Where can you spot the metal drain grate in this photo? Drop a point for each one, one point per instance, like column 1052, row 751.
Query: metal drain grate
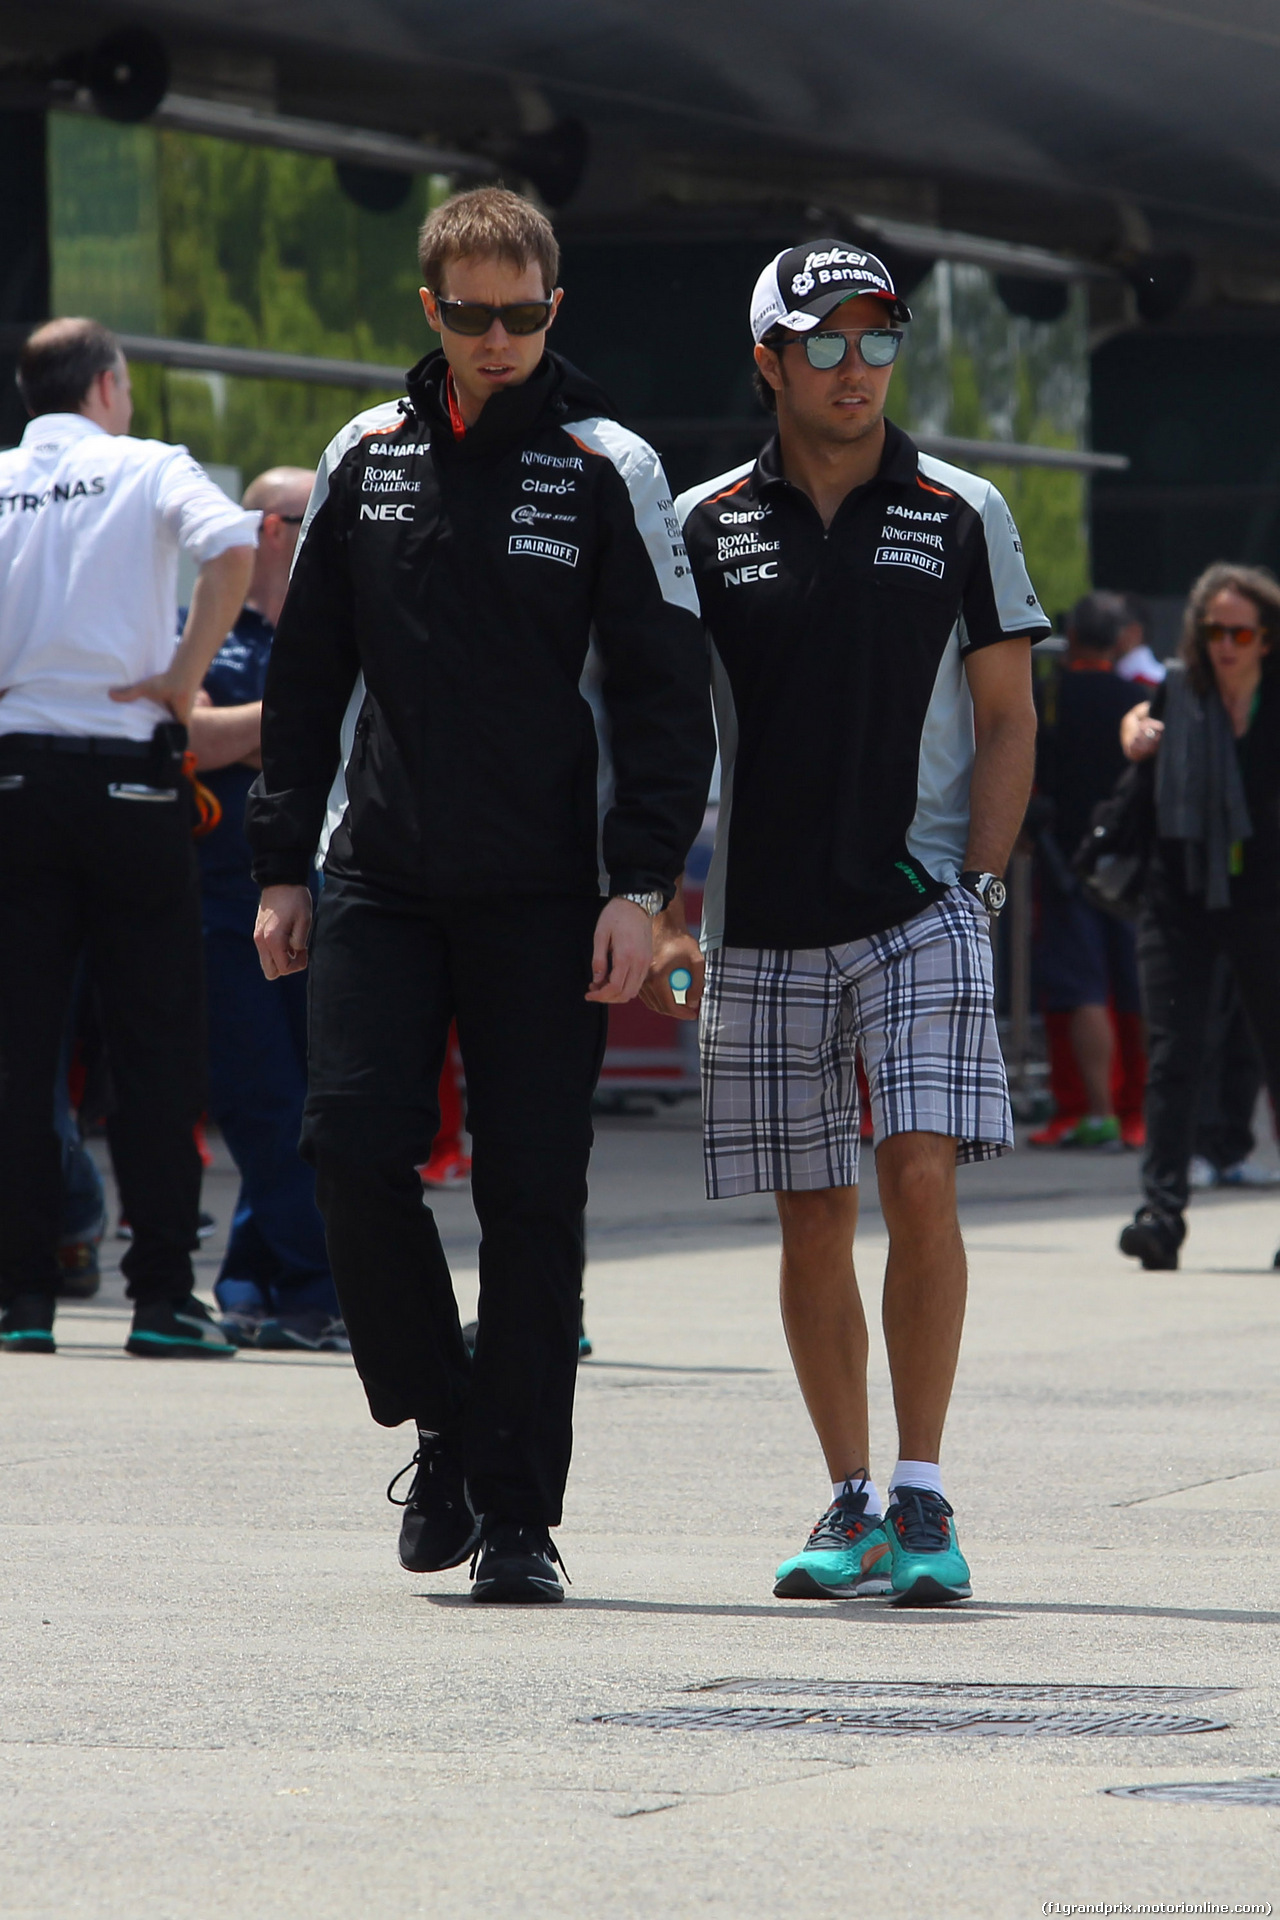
column 1261, row 1792
column 1061, row 1692
column 978, row 1720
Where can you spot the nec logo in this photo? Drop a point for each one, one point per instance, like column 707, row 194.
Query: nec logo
column 746, row 576
column 385, row 510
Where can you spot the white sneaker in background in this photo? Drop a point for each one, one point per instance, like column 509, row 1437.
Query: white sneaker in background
column 1246, row 1173
column 1202, row 1173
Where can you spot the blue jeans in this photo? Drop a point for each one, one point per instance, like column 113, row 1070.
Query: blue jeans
column 257, row 1085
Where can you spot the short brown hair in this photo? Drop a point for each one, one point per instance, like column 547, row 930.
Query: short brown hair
column 60, row 361
column 1258, row 584
column 492, row 221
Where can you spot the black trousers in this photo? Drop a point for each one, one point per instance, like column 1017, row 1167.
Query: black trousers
column 85, row 870
column 1232, row 1078
column 388, row 973
column 1178, row 944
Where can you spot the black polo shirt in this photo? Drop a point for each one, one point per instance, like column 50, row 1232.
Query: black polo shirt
column 846, row 727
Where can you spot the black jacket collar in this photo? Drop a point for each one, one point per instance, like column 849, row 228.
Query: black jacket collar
column 899, row 461
column 554, row 392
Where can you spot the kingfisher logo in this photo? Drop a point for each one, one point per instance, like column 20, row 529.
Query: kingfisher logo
column 535, row 547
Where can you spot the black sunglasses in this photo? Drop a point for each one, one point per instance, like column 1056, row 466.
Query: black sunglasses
column 472, row 317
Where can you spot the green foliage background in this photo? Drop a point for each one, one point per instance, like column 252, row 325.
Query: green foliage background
column 201, row 239
column 971, row 370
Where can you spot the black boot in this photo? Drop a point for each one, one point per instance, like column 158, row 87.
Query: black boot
column 1154, row 1238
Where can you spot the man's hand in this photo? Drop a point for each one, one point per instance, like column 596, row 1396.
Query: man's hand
column 674, row 946
column 622, row 953
column 171, row 689
column 284, row 922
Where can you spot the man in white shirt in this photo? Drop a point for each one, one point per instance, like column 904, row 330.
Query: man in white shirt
column 96, row 854
column 1134, row 659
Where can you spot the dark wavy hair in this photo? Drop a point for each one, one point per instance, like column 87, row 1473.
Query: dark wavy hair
column 1258, row 584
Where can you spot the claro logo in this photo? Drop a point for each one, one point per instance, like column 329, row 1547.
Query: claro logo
column 385, row 510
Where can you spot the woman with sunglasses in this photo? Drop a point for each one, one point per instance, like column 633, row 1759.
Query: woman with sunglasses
column 1213, row 884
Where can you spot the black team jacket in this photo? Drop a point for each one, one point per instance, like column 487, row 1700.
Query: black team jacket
column 423, row 692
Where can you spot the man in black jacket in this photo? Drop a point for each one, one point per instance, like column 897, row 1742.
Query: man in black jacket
column 422, row 712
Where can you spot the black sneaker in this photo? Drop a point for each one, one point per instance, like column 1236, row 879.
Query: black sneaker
column 26, row 1325
column 516, row 1561
column 314, row 1331
column 177, row 1330
column 1153, row 1238
column 439, row 1528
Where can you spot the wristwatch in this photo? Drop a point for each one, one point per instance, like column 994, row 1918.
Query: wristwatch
column 987, row 887
column 650, row 903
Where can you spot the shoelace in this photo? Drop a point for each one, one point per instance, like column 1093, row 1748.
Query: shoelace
column 424, row 1458
column 919, row 1518
column 545, row 1545
column 845, row 1519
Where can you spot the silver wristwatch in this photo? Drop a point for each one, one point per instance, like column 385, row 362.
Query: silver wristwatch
column 651, row 903
column 987, row 887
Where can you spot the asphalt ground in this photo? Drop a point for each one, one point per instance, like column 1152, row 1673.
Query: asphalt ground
column 221, row 1696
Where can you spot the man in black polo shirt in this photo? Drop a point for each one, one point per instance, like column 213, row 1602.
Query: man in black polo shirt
column 871, row 619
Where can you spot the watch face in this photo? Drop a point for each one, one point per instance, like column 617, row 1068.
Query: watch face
column 996, row 895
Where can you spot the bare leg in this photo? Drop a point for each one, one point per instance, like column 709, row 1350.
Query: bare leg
column 924, row 1286
column 1092, row 1041
column 825, row 1326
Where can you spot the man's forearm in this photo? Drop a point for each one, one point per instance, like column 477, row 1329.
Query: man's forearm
column 999, row 788
column 216, row 600
column 224, row 736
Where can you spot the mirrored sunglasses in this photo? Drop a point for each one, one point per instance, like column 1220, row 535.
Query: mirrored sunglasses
column 879, row 347
column 473, row 318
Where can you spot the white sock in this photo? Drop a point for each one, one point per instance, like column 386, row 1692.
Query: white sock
column 917, row 1473
column 874, row 1506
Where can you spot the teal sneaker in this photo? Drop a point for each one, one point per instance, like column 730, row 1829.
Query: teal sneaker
column 845, row 1557
column 927, row 1564
column 26, row 1325
column 177, row 1330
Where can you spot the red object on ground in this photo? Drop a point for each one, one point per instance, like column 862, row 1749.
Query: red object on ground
column 1065, row 1083
column 450, row 1163
column 1128, row 1079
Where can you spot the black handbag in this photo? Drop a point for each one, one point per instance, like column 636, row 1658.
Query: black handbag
column 1111, row 861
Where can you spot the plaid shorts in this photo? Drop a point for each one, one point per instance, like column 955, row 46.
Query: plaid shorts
column 781, row 1029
